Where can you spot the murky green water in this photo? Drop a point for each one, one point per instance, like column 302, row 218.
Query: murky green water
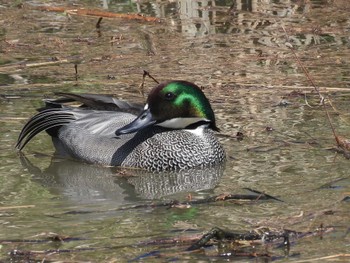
column 238, row 54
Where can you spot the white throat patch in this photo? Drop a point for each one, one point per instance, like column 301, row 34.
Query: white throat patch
column 197, row 131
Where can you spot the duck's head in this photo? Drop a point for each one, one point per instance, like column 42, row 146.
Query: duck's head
column 174, row 105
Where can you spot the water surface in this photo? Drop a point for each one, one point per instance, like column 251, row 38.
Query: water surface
column 238, row 54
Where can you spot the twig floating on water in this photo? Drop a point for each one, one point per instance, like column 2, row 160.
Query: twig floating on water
column 141, row 87
column 98, row 24
column 32, row 65
column 339, row 256
column 94, row 12
column 16, row 207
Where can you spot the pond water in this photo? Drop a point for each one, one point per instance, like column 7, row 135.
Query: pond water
column 238, row 51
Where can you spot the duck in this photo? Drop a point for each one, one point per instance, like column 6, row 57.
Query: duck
column 174, row 130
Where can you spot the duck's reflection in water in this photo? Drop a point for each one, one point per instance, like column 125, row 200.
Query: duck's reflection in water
column 87, row 184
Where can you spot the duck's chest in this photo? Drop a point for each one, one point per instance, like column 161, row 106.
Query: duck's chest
column 179, row 149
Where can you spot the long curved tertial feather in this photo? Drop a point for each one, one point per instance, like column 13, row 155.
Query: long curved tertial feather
column 99, row 102
column 42, row 121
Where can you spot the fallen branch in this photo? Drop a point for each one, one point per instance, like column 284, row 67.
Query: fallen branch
column 257, row 236
column 141, row 86
column 243, row 243
column 16, row 207
column 236, row 244
column 94, row 12
column 32, row 65
column 340, row 256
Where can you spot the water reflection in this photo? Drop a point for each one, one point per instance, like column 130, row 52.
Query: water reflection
column 201, row 18
column 85, row 184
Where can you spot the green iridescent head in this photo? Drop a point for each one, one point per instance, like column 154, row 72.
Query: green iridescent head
column 174, row 105
column 180, row 100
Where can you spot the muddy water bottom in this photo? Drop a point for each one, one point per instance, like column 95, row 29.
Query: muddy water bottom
column 256, row 87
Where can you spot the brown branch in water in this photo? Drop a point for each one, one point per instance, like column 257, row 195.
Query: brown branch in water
column 306, row 72
column 342, row 151
column 141, row 86
column 76, row 71
column 32, row 65
column 17, row 253
column 342, row 143
column 16, row 207
column 40, row 241
column 257, row 236
column 98, row 27
column 336, row 256
column 146, row 73
column 250, row 239
column 219, row 234
column 306, row 102
column 98, row 24
column 94, row 12
column 212, row 199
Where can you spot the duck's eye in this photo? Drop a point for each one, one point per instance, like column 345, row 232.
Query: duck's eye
column 169, row 96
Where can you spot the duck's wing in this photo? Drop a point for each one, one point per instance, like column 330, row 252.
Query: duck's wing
column 99, row 102
column 103, row 123
column 95, row 114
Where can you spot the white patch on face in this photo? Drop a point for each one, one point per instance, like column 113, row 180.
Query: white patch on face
column 146, row 107
column 198, row 131
column 180, row 123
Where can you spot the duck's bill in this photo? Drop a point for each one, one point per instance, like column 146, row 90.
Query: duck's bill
column 145, row 119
